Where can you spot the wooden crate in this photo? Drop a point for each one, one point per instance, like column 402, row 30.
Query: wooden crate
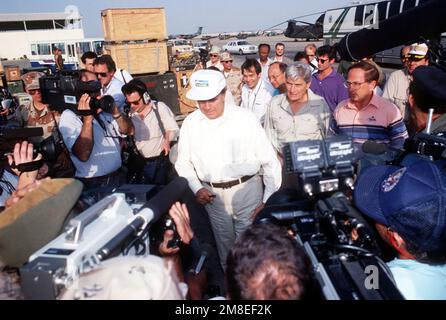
column 134, row 24
column 140, row 58
column 186, row 105
column 12, row 73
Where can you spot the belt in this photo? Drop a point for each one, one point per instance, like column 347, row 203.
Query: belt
column 99, row 179
column 229, row 184
column 154, row 158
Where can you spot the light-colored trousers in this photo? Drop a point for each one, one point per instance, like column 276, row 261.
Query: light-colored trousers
column 230, row 212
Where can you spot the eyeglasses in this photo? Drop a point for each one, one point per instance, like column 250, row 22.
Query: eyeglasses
column 135, row 103
column 214, row 55
column 33, row 91
column 102, row 74
column 353, row 85
column 228, row 61
column 322, row 60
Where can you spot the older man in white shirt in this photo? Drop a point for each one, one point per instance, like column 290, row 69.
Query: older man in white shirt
column 256, row 93
column 221, row 151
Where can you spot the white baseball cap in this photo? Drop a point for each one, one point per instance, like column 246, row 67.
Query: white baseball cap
column 419, row 50
column 206, row 85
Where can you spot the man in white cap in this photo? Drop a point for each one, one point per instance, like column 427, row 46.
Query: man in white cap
column 215, row 58
column 397, row 86
column 220, row 152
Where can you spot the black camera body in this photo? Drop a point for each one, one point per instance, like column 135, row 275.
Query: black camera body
column 64, row 90
column 340, row 243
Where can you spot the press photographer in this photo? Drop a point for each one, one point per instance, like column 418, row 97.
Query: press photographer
column 92, row 134
column 154, row 130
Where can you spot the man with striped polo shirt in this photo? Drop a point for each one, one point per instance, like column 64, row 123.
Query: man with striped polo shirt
column 366, row 116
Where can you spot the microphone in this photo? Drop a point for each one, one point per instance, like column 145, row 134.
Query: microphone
column 164, row 199
column 398, row 30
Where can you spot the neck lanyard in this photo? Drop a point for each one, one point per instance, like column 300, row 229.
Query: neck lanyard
column 251, row 106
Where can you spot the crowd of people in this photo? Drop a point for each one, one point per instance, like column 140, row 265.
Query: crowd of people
column 230, row 150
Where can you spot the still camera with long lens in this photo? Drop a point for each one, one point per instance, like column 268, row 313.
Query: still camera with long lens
column 64, row 90
column 340, row 243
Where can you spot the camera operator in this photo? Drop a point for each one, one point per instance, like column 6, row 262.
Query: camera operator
column 427, row 90
column 94, row 140
column 105, row 69
column 407, row 205
column 154, row 129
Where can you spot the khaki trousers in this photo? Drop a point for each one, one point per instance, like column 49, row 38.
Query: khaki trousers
column 230, row 212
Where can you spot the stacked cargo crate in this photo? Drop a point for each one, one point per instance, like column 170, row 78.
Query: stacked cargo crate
column 136, row 39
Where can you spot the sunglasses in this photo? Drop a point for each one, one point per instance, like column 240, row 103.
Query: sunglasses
column 102, row 74
column 322, row 60
column 214, row 55
column 33, row 91
column 228, row 61
column 135, row 103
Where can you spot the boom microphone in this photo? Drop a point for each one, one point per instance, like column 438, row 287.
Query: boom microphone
column 426, row 21
column 20, row 133
column 164, row 199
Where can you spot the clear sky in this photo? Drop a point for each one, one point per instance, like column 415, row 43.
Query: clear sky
column 184, row 16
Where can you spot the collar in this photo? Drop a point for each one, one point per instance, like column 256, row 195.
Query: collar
column 257, row 87
column 333, row 74
column 374, row 102
column 35, row 112
column 313, row 101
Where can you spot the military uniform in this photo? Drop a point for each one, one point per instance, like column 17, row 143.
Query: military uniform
column 234, row 81
column 28, row 116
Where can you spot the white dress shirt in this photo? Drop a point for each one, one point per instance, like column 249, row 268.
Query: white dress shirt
column 265, row 68
column 256, row 100
column 114, row 89
column 225, row 149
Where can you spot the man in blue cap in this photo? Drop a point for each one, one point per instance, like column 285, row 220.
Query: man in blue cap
column 408, row 205
column 426, row 91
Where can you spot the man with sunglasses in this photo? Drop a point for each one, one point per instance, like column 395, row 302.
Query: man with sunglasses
column 233, row 77
column 154, row 128
column 397, row 86
column 105, row 69
column 36, row 113
column 215, row 58
column 327, row 82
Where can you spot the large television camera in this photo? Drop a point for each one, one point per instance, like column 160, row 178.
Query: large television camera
column 64, row 90
column 341, row 245
column 117, row 225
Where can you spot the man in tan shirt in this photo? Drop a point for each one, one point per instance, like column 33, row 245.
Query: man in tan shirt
column 154, row 128
column 297, row 115
column 233, row 77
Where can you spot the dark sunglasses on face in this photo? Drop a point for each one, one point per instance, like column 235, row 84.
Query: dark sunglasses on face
column 102, row 74
column 135, row 103
column 214, row 55
column 322, row 60
column 229, row 61
column 33, row 91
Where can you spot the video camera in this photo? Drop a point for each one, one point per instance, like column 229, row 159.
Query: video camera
column 64, row 90
column 119, row 224
column 340, row 243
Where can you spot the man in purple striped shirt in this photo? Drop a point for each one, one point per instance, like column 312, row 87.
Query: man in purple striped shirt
column 365, row 115
column 327, row 82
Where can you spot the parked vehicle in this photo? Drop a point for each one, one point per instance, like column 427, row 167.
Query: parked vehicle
column 241, row 47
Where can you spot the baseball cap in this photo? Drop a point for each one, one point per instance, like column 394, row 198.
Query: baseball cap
column 127, row 278
column 431, row 82
column 206, row 85
column 31, row 80
column 225, row 56
column 410, row 199
column 418, row 50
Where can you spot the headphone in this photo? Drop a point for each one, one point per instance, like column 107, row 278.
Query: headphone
column 140, row 88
